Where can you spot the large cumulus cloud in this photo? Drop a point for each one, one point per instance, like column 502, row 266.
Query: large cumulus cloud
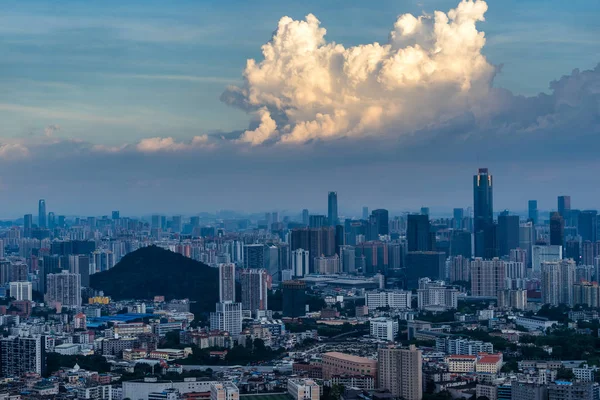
column 306, row 88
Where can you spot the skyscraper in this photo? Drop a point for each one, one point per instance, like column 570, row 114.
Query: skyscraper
column 294, row 298
column 305, row 217
column 381, row 218
column 27, row 225
column 332, row 209
column 588, row 225
column 558, row 278
column 418, row 233
column 533, row 211
column 226, row 283
column 300, row 263
column 557, row 230
column 507, row 233
column 400, row 371
column 42, row 221
column 483, row 208
column 564, row 206
column 458, row 214
column 365, row 213
column 227, row 317
column 255, row 283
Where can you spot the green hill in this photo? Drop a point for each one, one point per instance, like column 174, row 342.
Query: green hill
column 153, row 271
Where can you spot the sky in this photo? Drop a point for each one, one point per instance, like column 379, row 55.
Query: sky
column 152, row 106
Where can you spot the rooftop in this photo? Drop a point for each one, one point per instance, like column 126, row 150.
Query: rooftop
column 348, row 357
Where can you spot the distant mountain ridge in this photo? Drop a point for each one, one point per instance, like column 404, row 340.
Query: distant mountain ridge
column 153, row 271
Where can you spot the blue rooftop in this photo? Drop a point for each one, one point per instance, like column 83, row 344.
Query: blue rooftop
column 121, row 317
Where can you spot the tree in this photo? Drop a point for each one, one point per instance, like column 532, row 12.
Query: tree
column 564, row 374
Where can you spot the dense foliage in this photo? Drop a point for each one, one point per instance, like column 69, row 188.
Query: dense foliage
column 152, row 271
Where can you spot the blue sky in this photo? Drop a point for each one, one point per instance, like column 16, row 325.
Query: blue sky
column 102, row 70
column 116, row 72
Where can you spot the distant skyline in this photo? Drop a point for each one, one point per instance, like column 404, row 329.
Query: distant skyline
column 148, row 106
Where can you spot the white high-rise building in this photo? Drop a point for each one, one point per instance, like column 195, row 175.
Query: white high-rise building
column 435, row 295
column 327, row 265
column 64, row 288
column 384, row 328
column 400, row 371
column 227, row 317
column 348, row 259
column 396, row 299
column 300, row 262
column 226, row 283
column 21, row 291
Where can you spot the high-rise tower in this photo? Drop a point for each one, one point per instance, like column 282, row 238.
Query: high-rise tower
column 42, row 221
column 483, row 214
column 332, row 209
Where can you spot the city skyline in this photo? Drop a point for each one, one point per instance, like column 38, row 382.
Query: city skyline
column 83, row 134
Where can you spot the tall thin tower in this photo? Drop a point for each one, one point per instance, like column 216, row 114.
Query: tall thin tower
column 42, row 220
column 332, row 209
column 483, row 214
column 227, row 283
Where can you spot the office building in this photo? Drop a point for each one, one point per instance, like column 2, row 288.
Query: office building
column 294, row 298
column 42, row 219
column 227, row 317
column 332, row 209
column 317, row 241
column 588, row 225
column 227, row 283
column 424, row 264
column 435, row 296
column 255, row 283
column 224, row 391
column 335, row 363
column 64, row 289
column 487, row 277
column 557, row 230
column 27, row 225
column 305, row 217
column 460, row 243
column 400, row 371
column 317, row 221
column 384, row 328
column 21, row 355
column 533, row 213
column 254, row 256
column 381, row 218
column 394, row 299
column 300, row 263
column 507, row 234
column 365, row 213
column 21, row 291
column 458, row 214
column 483, row 208
column 418, row 233
column 564, row 206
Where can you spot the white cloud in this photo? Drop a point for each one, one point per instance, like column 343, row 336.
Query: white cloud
column 430, row 70
column 158, row 144
column 13, row 151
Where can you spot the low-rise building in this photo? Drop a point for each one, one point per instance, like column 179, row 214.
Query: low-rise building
column 303, row 389
column 461, row 363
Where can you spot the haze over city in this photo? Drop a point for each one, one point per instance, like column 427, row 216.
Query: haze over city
column 149, row 107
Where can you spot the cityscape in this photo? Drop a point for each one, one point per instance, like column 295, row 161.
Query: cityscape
column 316, row 200
column 482, row 305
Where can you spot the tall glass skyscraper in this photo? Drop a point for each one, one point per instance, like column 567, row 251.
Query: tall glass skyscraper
column 533, row 211
column 42, row 221
column 332, row 209
column 483, row 213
